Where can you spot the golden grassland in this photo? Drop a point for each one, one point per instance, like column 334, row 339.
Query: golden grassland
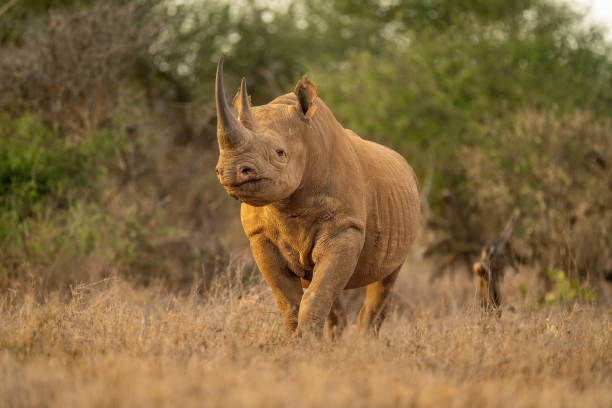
column 112, row 344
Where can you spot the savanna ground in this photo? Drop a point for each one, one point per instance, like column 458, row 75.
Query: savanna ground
column 111, row 344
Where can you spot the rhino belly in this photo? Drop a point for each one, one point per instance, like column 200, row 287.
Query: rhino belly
column 391, row 228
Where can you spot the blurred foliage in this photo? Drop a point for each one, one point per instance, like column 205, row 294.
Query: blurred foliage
column 565, row 290
column 40, row 172
column 51, row 188
column 109, row 123
column 434, row 87
column 556, row 170
column 23, row 16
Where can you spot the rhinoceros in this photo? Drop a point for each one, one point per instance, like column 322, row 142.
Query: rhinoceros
column 323, row 209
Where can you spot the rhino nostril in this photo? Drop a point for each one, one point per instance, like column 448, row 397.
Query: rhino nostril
column 246, row 171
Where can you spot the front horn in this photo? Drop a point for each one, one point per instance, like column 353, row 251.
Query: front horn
column 230, row 131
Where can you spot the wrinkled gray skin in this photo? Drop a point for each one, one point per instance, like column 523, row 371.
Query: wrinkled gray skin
column 323, row 209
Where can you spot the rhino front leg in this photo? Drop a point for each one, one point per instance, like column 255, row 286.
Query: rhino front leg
column 336, row 320
column 335, row 260
column 374, row 309
column 285, row 285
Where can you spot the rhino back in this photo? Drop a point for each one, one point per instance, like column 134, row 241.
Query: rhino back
column 393, row 207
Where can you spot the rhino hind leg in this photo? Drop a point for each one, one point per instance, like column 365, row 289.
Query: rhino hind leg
column 376, row 304
column 336, row 320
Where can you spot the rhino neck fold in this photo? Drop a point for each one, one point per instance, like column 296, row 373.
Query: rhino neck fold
column 326, row 139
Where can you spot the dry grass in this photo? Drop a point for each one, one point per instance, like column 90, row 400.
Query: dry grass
column 113, row 344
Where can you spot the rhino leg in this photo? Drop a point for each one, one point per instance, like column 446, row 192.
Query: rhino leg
column 376, row 304
column 335, row 260
column 336, row 320
column 285, row 285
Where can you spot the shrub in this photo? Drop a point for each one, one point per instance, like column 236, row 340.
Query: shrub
column 557, row 171
column 40, row 172
column 565, row 290
column 47, row 185
column 70, row 68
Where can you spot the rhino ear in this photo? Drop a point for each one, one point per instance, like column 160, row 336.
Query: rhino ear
column 306, row 94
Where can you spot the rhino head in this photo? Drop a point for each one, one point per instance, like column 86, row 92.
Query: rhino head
column 262, row 151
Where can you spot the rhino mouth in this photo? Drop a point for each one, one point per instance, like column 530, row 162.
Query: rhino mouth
column 249, row 188
column 250, row 192
column 244, row 183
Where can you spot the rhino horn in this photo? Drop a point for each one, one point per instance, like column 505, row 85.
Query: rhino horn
column 230, row 132
column 245, row 115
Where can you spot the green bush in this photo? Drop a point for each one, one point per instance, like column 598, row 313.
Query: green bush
column 565, row 290
column 40, row 172
column 49, row 192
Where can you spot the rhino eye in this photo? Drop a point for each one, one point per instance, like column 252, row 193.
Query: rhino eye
column 280, row 152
